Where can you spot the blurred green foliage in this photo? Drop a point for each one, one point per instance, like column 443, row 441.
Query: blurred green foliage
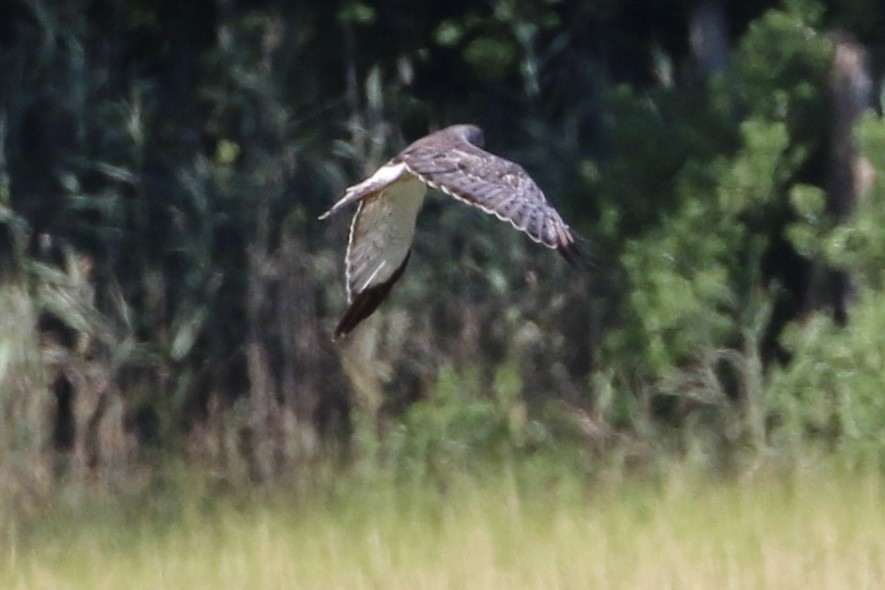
column 832, row 389
column 181, row 152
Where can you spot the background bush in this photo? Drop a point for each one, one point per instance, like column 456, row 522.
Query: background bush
column 166, row 288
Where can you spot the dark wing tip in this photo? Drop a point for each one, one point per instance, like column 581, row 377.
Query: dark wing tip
column 367, row 301
column 574, row 255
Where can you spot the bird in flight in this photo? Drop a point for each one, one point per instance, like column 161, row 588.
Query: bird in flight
column 452, row 161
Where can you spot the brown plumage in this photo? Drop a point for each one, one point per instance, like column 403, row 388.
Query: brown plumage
column 451, row 161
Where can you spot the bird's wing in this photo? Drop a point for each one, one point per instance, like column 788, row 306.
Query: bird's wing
column 499, row 187
column 379, row 245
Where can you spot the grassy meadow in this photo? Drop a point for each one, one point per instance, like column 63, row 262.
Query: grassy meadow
column 707, row 387
column 817, row 528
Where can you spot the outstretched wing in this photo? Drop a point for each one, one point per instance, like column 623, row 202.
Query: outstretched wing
column 378, row 249
column 448, row 162
column 451, row 161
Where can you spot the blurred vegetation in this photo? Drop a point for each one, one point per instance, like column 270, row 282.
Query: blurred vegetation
column 166, row 290
column 819, row 528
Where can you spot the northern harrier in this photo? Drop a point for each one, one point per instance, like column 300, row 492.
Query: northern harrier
column 452, row 161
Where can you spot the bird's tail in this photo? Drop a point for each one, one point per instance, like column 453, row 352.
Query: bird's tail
column 374, row 184
column 351, row 196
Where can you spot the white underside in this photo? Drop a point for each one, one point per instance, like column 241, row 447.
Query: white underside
column 387, row 173
column 383, row 229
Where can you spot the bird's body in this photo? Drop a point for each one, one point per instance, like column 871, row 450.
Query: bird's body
column 452, row 161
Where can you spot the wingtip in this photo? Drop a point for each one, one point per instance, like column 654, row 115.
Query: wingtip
column 575, row 256
column 367, row 301
column 343, row 328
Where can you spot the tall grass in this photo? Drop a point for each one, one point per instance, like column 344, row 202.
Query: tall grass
column 24, row 402
column 815, row 529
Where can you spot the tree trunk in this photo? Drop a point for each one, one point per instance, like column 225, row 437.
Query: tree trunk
column 708, row 36
column 850, row 174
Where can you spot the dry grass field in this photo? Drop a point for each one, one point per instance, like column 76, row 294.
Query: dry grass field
column 817, row 529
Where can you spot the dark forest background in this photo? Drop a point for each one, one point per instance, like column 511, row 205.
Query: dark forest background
column 166, row 289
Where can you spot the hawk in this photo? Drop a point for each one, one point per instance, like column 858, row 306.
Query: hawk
column 451, row 161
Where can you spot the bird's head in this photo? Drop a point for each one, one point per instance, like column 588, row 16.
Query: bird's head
column 470, row 133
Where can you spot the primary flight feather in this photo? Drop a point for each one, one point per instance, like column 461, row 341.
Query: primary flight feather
column 452, row 161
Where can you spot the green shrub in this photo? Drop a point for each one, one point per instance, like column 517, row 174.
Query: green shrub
column 833, row 391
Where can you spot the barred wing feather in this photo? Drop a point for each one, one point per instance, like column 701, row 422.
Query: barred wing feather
column 497, row 186
column 450, row 161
